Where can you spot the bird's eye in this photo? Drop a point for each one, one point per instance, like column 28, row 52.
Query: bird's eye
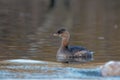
column 61, row 31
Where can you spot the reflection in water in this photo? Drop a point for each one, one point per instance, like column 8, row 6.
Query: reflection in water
column 24, row 35
column 26, row 29
column 43, row 46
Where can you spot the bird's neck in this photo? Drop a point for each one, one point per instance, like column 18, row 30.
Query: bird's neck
column 65, row 42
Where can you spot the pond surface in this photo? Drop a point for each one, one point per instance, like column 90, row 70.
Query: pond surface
column 34, row 55
column 28, row 47
column 42, row 45
column 34, row 69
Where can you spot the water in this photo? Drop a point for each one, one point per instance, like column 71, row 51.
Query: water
column 35, row 57
column 28, row 48
column 34, row 69
column 42, row 46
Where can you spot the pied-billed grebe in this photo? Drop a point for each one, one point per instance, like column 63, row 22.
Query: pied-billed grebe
column 68, row 53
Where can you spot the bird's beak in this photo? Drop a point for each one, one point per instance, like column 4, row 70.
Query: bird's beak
column 55, row 34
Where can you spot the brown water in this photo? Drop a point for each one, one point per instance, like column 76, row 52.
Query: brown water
column 26, row 33
column 43, row 46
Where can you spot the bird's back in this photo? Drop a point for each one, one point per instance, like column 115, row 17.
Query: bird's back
column 80, row 53
column 74, row 49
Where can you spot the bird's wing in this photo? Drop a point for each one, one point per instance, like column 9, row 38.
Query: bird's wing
column 76, row 48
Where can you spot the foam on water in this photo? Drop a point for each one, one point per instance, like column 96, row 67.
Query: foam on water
column 40, row 71
column 26, row 61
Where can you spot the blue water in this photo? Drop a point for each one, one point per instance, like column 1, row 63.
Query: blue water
column 72, row 73
column 45, row 70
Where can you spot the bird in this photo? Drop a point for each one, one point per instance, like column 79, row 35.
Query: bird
column 67, row 53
